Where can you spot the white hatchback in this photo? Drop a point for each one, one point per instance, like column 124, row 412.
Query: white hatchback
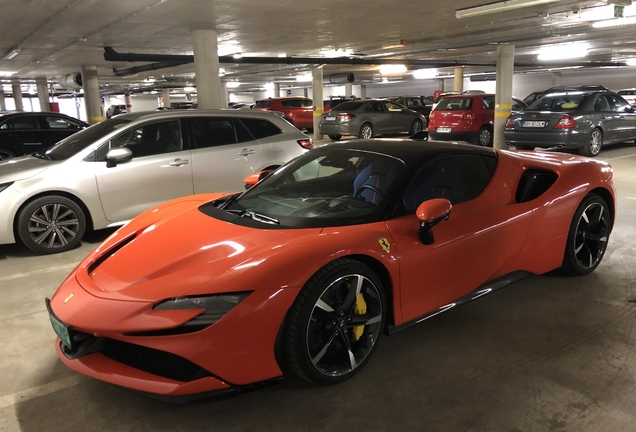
column 112, row 171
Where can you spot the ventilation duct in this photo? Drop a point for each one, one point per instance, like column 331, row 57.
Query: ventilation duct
column 72, row 81
column 481, row 78
column 350, row 77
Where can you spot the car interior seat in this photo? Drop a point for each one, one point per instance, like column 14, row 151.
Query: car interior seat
column 373, row 182
column 443, row 179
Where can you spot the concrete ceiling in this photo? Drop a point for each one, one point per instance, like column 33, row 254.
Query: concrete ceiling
column 55, row 37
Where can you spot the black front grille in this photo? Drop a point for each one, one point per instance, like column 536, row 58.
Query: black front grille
column 156, row 362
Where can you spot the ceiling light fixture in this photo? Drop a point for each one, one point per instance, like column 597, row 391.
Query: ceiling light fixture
column 5, row 73
column 630, row 62
column 304, row 78
column 424, row 73
column 270, row 86
column 616, row 22
column 331, row 53
column 12, row 53
column 189, row 89
column 392, row 69
column 233, row 84
column 561, row 52
column 501, row 6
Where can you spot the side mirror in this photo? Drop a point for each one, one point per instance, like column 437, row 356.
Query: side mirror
column 628, row 109
column 117, row 155
column 430, row 213
column 255, row 178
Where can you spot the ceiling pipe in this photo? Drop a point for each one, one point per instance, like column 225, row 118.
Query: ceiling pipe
column 145, row 68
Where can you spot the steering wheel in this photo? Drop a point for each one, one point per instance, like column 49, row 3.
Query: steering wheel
column 367, row 186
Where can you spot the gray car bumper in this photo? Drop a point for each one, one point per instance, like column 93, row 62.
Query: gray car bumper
column 554, row 138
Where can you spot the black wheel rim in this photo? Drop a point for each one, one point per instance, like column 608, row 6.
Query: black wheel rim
column 53, row 225
column 591, row 236
column 596, row 141
column 339, row 336
column 366, row 132
column 417, row 126
column 484, row 137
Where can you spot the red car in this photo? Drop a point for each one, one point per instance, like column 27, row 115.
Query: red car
column 299, row 111
column 304, row 272
column 466, row 117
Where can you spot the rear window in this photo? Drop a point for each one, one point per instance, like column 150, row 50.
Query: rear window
column 627, row 92
column 261, row 128
column 263, row 104
column 297, row 103
column 349, row 106
column 557, row 103
column 454, row 104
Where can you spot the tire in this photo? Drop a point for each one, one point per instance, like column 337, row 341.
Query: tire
column 593, row 146
column 523, row 147
column 484, row 137
column 366, row 131
column 587, row 237
column 51, row 224
column 320, row 351
column 416, row 127
column 335, row 137
column 5, row 154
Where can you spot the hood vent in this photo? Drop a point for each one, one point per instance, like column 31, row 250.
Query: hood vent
column 110, row 253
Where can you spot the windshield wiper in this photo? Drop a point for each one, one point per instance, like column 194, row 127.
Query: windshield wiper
column 255, row 216
column 229, row 200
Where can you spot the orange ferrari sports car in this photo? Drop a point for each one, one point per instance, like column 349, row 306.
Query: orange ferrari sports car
column 304, row 272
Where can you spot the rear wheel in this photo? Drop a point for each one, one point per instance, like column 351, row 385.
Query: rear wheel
column 484, row 137
column 366, row 131
column 5, row 154
column 335, row 137
column 51, row 224
column 334, row 325
column 416, row 126
column 588, row 236
column 594, row 144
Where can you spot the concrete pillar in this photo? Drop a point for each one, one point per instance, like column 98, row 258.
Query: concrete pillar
column 17, row 96
column 556, row 79
column 128, row 102
column 206, row 68
column 91, row 94
column 224, row 96
column 43, row 94
column 363, row 91
column 442, row 84
column 348, row 89
column 503, row 92
column 3, row 106
column 459, row 79
column 317, row 91
column 306, row 92
column 165, row 93
column 276, row 89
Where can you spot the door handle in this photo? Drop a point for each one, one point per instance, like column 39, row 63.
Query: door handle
column 179, row 162
column 246, row 152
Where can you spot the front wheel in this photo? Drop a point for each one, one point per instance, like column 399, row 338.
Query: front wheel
column 335, row 137
column 366, row 131
column 484, row 137
column 5, row 154
column 51, row 224
column 594, row 144
column 587, row 237
column 416, row 127
column 334, row 325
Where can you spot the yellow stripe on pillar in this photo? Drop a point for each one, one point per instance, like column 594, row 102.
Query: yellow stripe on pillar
column 502, row 114
column 503, row 106
column 95, row 119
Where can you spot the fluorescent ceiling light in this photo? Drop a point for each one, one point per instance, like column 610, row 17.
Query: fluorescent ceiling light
column 5, row 73
column 336, row 53
column 631, row 62
column 12, row 53
column 501, row 6
column 425, row 73
column 221, row 72
column 237, row 55
column 233, row 84
column 616, row 22
column 304, row 78
column 562, row 52
column 269, row 86
column 189, row 89
column 282, row 55
column 392, row 69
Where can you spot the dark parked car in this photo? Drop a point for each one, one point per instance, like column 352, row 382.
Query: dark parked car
column 366, row 118
column 25, row 132
column 114, row 110
column 579, row 120
column 534, row 96
column 184, row 105
column 415, row 103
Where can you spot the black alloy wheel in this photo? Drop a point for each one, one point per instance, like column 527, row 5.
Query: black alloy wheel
column 594, row 144
column 416, row 126
column 484, row 137
column 335, row 323
column 366, row 131
column 5, row 154
column 588, row 236
column 51, row 224
column 335, row 137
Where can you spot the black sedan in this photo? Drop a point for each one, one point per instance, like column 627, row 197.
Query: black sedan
column 26, row 132
column 416, row 103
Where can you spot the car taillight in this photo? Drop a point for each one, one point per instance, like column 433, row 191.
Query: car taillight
column 566, row 122
column 468, row 115
column 344, row 116
column 306, row 144
column 509, row 124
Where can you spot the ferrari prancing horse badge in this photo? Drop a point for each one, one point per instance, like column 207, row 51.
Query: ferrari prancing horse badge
column 385, row 244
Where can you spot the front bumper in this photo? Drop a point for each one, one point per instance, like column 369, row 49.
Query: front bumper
column 570, row 138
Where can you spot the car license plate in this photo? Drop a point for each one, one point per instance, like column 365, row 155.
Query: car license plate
column 443, row 129
column 533, row 124
column 60, row 329
column 331, row 118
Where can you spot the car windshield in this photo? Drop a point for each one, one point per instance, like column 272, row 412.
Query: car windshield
column 557, row 102
column 323, row 188
column 79, row 141
column 454, row 103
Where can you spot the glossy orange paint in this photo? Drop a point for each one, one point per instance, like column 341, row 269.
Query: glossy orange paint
column 483, row 238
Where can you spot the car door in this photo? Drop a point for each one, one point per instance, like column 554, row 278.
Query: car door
column 224, row 153
column 58, row 127
column 400, row 120
column 22, row 134
column 380, row 118
column 160, row 170
column 469, row 247
column 606, row 116
column 627, row 117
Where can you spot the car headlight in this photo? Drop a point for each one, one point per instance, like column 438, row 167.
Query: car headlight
column 4, row 186
column 214, row 307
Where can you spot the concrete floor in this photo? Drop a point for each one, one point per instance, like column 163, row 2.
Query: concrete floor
column 549, row 353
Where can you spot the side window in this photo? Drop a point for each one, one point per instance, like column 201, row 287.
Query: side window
column 517, row 105
column 619, row 103
column 261, row 128
column 23, row 123
column 6, row 125
column 242, row 134
column 306, row 103
column 393, row 107
column 601, row 104
column 489, row 102
column 377, row 106
column 147, row 140
column 61, row 123
column 369, row 108
column 458, row 178
column 213, row 131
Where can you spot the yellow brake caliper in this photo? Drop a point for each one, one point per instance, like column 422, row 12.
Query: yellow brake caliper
column 360, row 308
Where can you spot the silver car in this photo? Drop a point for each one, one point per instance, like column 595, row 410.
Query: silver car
column 369, row 117
column 580, row 120
column 111, row 172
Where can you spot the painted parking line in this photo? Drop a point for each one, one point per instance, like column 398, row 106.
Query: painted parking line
column 42, row 390
column 619, row 157
column 35, row 272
